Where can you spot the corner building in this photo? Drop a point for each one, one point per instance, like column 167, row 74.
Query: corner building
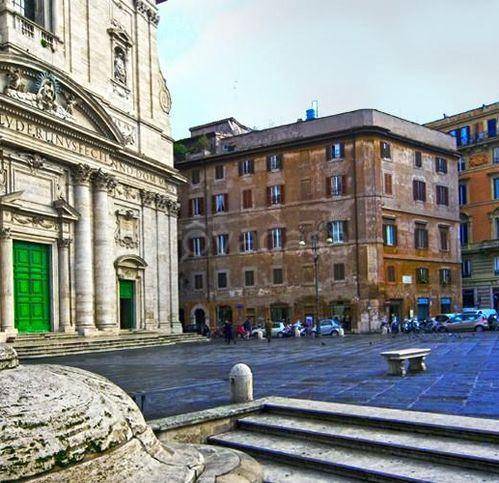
column 88, row 205
column 377, row 194
column 476, row 133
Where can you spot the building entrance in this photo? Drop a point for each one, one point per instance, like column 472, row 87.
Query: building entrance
column 32, row 287
column 127, row 304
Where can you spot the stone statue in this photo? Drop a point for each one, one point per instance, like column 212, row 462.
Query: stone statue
column 120, row 66
column 14, row 80
column 46, row 95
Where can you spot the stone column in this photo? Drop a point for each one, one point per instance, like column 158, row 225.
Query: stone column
column 173, row 210
column 84, row 262
column 105, row 272
column 7, row 284
column 65, row 324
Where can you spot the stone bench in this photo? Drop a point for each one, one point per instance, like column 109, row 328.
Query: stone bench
column 396, row 360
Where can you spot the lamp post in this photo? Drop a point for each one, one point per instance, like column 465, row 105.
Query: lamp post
column 314, row 245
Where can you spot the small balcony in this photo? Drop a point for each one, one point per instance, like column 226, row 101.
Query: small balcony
column 32, row 31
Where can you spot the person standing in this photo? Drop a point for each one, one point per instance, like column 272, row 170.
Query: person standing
column 268, row 330
column 228, row 331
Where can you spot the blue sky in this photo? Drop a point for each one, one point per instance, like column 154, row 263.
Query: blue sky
column 264, row 61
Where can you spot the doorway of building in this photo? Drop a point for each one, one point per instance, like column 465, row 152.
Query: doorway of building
column 279, row 313
column 423, row 308
column 32, row 287
column 127, row 304
column 224, row 313
column 200, row 318
column 395, row 309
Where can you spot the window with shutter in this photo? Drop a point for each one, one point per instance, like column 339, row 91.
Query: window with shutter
column 419, row 190
column 442, row 195
column 440, row 165
column 388, row 184
column 305, row 189
column 249, row 278
column 418, row 159
column 337, row 231
column 277, row 276
column 385, row 150
column 222, row 280
column 339, row 271
column 195, row 176
column 246, row 166
column 198, row 281
column 336, row 151
column 420, row 236
column 389, row 233
column 247, row 199
column 444, row 238
column 336, row 185
column 219, row 172
column 422, row 275
column 274, row 162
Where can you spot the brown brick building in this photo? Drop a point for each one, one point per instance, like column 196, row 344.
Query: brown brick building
column 377, row 193
column 478, row 142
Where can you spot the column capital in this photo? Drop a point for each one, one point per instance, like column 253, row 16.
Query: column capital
column 82, row 174
column 162, row 201
column 104, row 181
column 173, row 208
column 64, row 242
column 147, row 197
column 5, row 233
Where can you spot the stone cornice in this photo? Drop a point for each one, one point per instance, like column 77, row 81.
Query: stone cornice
column 147, row 11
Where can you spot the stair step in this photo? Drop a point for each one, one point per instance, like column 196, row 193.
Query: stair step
column 349, row 462
column 476, row 429
column 279, row 473
column 470, row 454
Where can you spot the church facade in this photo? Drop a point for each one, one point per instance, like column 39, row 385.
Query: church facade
column 88, row 192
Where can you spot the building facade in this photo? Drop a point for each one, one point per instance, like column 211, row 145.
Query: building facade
column 88, row 204
column 370, row 197
column 478, row 143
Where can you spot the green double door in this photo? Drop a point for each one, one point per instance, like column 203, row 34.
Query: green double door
column 32, row 287
column 127, row 304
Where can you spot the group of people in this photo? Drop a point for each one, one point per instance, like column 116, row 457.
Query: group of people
column 243, row 331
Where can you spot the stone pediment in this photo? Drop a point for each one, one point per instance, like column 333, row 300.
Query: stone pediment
column 65, row 210
column 32, row 85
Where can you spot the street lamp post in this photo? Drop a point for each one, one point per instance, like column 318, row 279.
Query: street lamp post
column 314, row 239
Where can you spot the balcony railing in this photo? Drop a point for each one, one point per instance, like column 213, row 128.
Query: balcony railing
column 477, row 138
column 34, row 32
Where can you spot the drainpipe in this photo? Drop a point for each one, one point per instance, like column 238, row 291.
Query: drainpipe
column 209, row 248
column 356, row 217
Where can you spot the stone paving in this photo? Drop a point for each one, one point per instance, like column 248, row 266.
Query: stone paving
column 462, row 376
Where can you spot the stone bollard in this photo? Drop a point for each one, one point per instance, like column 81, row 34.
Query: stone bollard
column 241, row 384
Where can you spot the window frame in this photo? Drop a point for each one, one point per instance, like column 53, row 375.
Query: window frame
column 274, row 270
column 246, row 273
column 422, row 275
column 226, row 274
column 219, row 167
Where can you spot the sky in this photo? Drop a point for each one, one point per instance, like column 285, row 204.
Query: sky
column 265, row 61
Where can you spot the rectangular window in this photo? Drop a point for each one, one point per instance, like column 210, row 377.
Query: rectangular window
column 388, row 184
column 422, row 275
column 249, row 278
column 195, row 176
column 220, row 203
column 275, row 195
column 196, row 206
column 197, row 246
column 418, row 159
column 277, row 276
column 274, row 162
column 198, row 281
column 247, row 199
column 337, row 185
column 496, row 266
column 308, row 274
column 463, row 194
column 338, row 231
column 464, row 137
column 39, row 12
column 222, row 244
column 492, row 128
column 246, row 166
column 389, row 233
column 441, row 165
column 442, row 195
column 419, row 190
column 444, row 238
column 420, row 236
column 464, row 233
column 466, row 268
column 496, row 188
column 222, row 280
column 445, row 276
column 339, row 271
column 461, row 165
column 385, row 150
column 390, row 274
column 335, row 151
column 248, row 241
column 306, row 189
column 496, row 223
column 276, row 238
column 495, row 156
column 220, row 171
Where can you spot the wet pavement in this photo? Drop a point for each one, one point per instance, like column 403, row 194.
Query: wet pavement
column 462, row 376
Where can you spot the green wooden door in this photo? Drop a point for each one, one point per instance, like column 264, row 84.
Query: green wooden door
column 127, row 304
column 32, row 287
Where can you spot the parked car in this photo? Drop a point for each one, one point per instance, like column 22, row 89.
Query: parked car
column 256, row 330
column 278, row 329
column 465, row 321
column 487, row 313
column 444, row 318
column 330, row 327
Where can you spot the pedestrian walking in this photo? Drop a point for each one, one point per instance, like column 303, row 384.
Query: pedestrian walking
column 228, row 331
column 268, row 330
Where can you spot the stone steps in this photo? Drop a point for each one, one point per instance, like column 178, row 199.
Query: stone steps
column 332, row 442
column 38, row 347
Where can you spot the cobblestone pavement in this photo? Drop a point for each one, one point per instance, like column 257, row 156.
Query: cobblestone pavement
column 462, row 376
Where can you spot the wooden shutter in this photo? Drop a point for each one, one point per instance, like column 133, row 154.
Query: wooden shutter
column 240, row 168
column 269, row 239
column 414, row 189
column 268, row 163
column 329, row 154
column 345, row 231
column 251, row 166
column 423, row 190
column 203, row 245
column 283, row 237
column 283, row 194
column 226, row 201
column 241, row 242
column 227, row 245
column 269, row 196
column 191, row 246
column 191, row 201
column 201, row 206
column 279, row 161
column 328, row 186
column 214, row 245
column 255, row 240
column 213, row 204
column 343, row 185
column 342, row 150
